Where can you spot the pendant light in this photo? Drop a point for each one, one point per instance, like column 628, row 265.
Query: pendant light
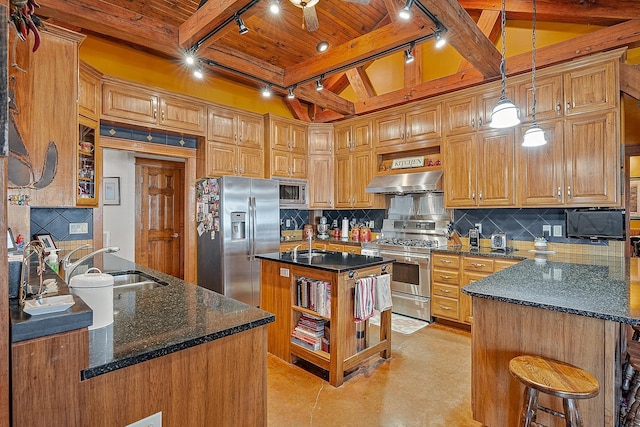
column 505, row 113
column 534, row 136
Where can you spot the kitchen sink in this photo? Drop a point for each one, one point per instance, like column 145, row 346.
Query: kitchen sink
column 132, row 281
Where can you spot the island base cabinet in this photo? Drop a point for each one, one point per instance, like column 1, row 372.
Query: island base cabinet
column 501, row 331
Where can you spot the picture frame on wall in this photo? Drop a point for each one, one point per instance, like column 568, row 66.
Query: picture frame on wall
column 634, row 198
column 111, row 193
column 47, row 242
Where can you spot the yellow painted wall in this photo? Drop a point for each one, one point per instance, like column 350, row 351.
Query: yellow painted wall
column 124, row 62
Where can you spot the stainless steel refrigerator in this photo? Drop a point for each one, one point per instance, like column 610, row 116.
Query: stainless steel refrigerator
column 237, row 218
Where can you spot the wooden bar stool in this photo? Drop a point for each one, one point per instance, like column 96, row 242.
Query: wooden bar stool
column 557, row 379
column 631, row 415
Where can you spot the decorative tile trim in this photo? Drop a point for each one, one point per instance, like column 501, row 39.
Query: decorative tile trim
column 154, row 137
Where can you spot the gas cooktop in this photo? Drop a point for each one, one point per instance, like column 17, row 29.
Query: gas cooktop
column 420, row 243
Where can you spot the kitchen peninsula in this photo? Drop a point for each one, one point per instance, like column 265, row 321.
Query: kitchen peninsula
column 573, row 310
column 180, row 349
column 280, row 274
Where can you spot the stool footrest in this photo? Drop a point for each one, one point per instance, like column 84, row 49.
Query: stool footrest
column 550, row 411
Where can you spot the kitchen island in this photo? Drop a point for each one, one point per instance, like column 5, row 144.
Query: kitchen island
column 573, row 311
column 194, row 355
column 281, row 275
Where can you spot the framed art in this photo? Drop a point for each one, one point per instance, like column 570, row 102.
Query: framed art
column 111, row 190
column 634, row 190
column 47, row 242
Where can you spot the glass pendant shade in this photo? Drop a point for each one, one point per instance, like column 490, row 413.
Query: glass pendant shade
column 504, row 115
column 534, row 137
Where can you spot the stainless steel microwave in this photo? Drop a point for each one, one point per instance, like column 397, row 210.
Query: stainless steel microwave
column 293, row 193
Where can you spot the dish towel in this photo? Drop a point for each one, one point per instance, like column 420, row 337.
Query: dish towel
column 383, row 292
column 364, row 299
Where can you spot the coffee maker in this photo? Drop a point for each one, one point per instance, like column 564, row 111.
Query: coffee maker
column 322, row 228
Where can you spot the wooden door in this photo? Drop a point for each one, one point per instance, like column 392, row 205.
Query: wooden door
column 342, row 134
column 299, row 139
column 540, row 170
column 466, row 307
column 321, row 182
column 361, row 133
column 251, row 130
column 361, row 176
column 182, row 115
column 460, row 115
column 592, row 155
column 548, row 99
column 222, row 159
column 495, row 168
column 129, row 103
column 591, row 89
column 343, row 170
column 487, row 100
column 424, row 124
column 250, row 162
column 298, row 166
column 280, row 163
column 389, row 129
column 460, row 171
column 159, row 215
column 221, row 125
column 321, row 139
column 279, row 131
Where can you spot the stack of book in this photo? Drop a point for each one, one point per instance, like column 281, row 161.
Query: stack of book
column 309, row 332
column 314, row 295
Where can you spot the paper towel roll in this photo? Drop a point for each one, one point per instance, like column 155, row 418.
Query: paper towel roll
column 345, row 228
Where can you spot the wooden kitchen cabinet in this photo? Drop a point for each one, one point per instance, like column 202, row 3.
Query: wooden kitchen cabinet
column 592, row 88
column 89, row 163
column 470, row 111
column 135, row 104
column 235, row 127
column 352, row 174
column 287, row 146
column 89, row 92
column 473, row 268
column 549, row 98
column 353, row 135
column 408, row 128
column 46, row 117
column 321, row 172
column 480, row 167
column 227, row 159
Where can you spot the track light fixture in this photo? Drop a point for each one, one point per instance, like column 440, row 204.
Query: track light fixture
column 242, row 29
column 405, row 12
column 291, row 95
column 190, row 58
column 440, row 40
column 198, row 73
column 319, row 85
column 274, row 7
column 266, row 91
column 408, row 57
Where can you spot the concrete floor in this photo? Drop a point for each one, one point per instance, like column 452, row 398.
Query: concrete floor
column 426, row 383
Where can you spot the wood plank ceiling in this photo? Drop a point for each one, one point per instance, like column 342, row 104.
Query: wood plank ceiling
column 277, row 50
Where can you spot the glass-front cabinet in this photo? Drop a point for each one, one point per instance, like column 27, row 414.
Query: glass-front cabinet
column 88, row 163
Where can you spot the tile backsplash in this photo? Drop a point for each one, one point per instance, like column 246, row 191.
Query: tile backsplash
column 55, row 221
column 298, row 218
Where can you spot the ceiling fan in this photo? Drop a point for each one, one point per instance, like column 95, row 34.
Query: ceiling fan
column 309, row 16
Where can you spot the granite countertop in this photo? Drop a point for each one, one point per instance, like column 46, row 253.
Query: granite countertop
column 594, row 286
column 156, row 322
column 331, row 240
column 331, row 261
column 484, row 251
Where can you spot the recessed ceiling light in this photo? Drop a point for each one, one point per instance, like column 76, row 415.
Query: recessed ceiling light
column 322, row 46
column 274, row 7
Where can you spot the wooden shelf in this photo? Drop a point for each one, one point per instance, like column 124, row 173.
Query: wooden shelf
column 412, row 170
column 86, row 153
column 318, row 357
column 309, row 312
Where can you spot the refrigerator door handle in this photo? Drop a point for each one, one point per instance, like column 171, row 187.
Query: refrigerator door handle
column 249, row 228
column 252, row 227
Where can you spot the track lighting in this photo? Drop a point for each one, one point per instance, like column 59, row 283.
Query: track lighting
column 291, row 95
column 440, row 41
column 266, row 91
column 322, row 46
column 274, row 7
column 190, row 58
column 408, row 57
column 242, row 29
column 198, row 73
column 405, row 12
column 319, row 86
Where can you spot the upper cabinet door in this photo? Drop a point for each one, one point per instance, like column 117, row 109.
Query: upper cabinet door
column 222, row 126
column 182, row 115
column 130, row 104
column 591, row 89
column 548, row 99
column 495, row 168
column 250, row 131
column 389, row 129
column 280, row 139
column 424, row 124
column 460, row 171
column 460, row 115
column 299, row 139
column 321, row 139
column 361, row 133
column 487, row 100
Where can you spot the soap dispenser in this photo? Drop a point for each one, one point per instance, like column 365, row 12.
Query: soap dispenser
column 52, row 260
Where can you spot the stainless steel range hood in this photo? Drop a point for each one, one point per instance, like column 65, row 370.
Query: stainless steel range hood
column 417, row 182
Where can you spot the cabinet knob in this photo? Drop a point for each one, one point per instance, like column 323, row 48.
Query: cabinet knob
column 559, row 194
column 442, row 276
column 235, row 137
column 480, row 121
column 480, row 196
column 569, row 191
column 568, row 107
column 476, row 264
column 155, row 114
column 444, row 307
column 240, row 138
column 163, row 115
column 473, row 196
column 558, row 107
column 473, row 123
column 175, row 235
column 446, row 291
column 445, row 261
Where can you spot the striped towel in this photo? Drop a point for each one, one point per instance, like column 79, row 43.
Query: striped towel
column 364, row 299
column 383, row 293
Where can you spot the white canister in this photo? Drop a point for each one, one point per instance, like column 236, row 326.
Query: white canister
column 96, row 290
column 345, row 228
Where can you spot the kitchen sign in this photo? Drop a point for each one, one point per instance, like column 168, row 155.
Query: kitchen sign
column 408, row 162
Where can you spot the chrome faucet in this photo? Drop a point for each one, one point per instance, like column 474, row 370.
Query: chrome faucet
column 310, row 238
column 294, row 253
column 69, row 266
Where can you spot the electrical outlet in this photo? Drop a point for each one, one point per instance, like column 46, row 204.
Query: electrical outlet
column 557, row 231
column 546, row 228
column 154, row 420
column 78, row 228
column 287, row 222
column 284, row 272
column 372, row 224
column 479, row 227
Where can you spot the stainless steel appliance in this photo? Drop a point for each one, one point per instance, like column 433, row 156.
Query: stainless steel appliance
column 499, row 241
column 293, row 193
column 408, row 242
column 237, row 218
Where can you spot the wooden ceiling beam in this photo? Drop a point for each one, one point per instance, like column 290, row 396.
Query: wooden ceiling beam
column 620, row 35
column 360, row 83
column 325, row 99
column 375, row 42
column 490, row 25
column 413, row 70
column 114, row 21
column 325, row 116
column 297, row 110
column 206, row 19
column 465, row 37
column 244, row 63
column 630, row 80
column 594, row 12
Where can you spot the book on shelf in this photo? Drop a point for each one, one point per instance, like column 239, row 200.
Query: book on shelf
column 314, row 295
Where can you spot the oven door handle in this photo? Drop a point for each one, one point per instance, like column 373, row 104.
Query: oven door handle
column 404, row 259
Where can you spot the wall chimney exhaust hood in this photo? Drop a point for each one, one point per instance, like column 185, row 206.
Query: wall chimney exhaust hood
column 417, row 182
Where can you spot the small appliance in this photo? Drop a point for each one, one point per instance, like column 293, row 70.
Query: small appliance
column 322, row 228
column 499, row 241
column 293, row 193
column 474, row 238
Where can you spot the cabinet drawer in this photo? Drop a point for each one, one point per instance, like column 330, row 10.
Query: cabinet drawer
column 335, row 248
column 445, row 260
column 451, row 291
column 470, row 277
column 445, row 307
column 445, row 276
column 478, row 264
column 501, row 264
